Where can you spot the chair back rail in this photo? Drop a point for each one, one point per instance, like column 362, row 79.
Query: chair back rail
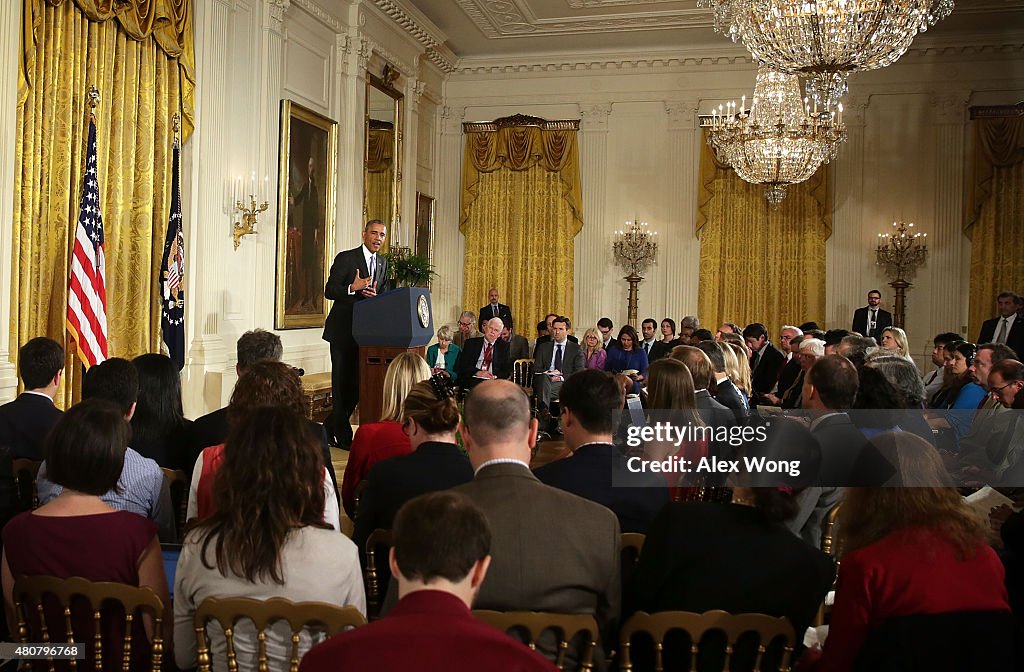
column 227, row 611
column 532, row 623
column 31, row 590
column 26, row 473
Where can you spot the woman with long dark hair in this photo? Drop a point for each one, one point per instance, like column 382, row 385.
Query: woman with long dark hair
column 959, row 395
column 266, row 538
column 159, row 428
column 628, row 357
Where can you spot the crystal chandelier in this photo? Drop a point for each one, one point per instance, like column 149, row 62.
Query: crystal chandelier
column 779, row 141
column 825, row 40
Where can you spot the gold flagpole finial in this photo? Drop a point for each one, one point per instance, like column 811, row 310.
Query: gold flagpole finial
column 92, row 99
column 176, row 128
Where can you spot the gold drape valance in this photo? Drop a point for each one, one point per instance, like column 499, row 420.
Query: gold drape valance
column 518, row 149
column 380, row 148
column 168, row 22
column 999, row 143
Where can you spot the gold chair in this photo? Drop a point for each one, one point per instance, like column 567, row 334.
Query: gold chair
column 28, row 596
column 532, row 623
column 768, row 628
column 178, row 484
column 377, row 538
column 828, row 529
column 26, row 472
column 227, row 611
column 521, row 369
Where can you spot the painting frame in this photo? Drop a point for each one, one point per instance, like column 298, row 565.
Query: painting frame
column 423, row 235
column 307, row 139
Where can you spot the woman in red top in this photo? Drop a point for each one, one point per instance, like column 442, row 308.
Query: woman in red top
column 376, row 441
column 911, row 550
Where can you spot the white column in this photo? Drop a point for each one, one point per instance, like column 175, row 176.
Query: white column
column 449, row 244
column 353, row 54
column 680, row 249
column 847, row 258
column 10, row 28
column 948, row 249
column 206, row 224
column 593, row 244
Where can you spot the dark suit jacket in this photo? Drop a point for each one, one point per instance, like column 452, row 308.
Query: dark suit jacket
column 212, row 429
column 659, row 349
column 518, row 347
column 841, row 443
column 1015, row 339
column 24, row 424
column 768, row 368
column 390, row 483
column 465, row 365
column 598, row 472
column 504, row 312
column 729, row 396
column 860, row 322
column 700, row 556
column 338, row 328
column 547, row 339
column 572, row 358
column 790, row 372
column 552, row 551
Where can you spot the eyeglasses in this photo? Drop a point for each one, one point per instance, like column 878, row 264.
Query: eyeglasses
column 1003, row 387
column 466, row 324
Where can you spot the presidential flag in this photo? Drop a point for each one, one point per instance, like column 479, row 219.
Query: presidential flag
column 172, row 274
column 87, row 291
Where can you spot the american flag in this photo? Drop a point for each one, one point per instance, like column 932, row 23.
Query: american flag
column 172, row 274
column 87, row 291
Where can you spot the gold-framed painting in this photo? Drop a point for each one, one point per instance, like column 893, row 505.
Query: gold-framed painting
column 424, row 236
column 307, row 180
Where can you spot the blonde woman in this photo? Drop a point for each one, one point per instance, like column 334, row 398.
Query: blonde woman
column 894, row 340
column 376, row 441
column 442, row 355
column 740, row 375
column 594, row 354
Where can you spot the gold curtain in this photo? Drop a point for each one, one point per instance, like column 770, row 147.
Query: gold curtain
column 521, row 210
column 67, row 47
column 759, row 264
column 994, row 212
column 380, row 176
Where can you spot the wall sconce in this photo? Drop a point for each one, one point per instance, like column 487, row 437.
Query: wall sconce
column 257, row 197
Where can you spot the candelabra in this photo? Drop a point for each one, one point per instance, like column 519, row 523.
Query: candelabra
column 250, row 213
column 901, row 252
column 635, row 250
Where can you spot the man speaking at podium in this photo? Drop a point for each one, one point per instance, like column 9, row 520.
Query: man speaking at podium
column 356, row 274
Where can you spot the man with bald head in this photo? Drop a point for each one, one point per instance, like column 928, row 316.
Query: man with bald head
column 484, row 357
column 553, row 551
column 495, row 309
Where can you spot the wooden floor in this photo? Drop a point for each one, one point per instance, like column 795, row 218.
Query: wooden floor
column 548, row 450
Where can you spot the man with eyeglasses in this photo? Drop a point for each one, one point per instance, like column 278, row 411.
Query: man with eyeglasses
column 465, row 330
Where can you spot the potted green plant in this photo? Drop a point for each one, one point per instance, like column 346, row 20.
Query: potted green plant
column 409, row 270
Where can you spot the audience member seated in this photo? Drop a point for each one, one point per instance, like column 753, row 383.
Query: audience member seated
column 377, row 441
column 211, row 429
column 737, row 367
column 518, row 346
column 711, row 411
column 484, row 358
column 596, row 470
column 266, row 538
column 688, row 328
column 554, row 362
column 959, row 394
column 1001, row 461
column 25, row 422
column 159, row 428
column 766, row 361
column 441, row 557
column 856, row 348
column 911, row 551
column 441, row 356
column 894, row 340
column 628, row 358
column 992, row 419
column 141, row 488
column 726, row 392
column 933, row 381
column 605, row 326
column 671, row 398
column 883, row 399
column 833, row 339
column 263, row 384
column 699, row 336
column 727, row 328
column 668, row 333
column 902, row 373
column 553, row 551
column 466, row 330
column 791, row 369
column 739, row 557
column 650, row 343
column 78, row 533
column 809, row 350
column 430, row 417
column 594, row 354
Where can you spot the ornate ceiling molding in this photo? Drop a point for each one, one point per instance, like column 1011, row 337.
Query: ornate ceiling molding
column 499, row 19
column 319, row 14
column 590, row 4
column 519, row 120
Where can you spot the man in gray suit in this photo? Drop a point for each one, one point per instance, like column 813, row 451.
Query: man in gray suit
column 554, row 361
column 553, row 551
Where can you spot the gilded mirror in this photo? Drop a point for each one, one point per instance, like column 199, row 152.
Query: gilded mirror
column 382, row 170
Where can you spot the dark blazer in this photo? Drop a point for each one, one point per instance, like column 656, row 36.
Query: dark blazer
column 212, row 430
column 552, row 551
column 712, row 411
column 572, row 358
column 729, row 396
column 659, row 349
column 860, row 322
column 338, row 327
column 769, row 366
column 1015, row 339
column 173, row 450
column 465, row 365
column 518, row 347
column 790, row 372
column 700, row 556
column 841, row 443
column 390, row 483
column 598, row 472
column 547, row 339
column 24, row 424
column 504, row 312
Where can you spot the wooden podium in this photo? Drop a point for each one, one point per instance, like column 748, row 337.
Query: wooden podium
column 384, row 327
